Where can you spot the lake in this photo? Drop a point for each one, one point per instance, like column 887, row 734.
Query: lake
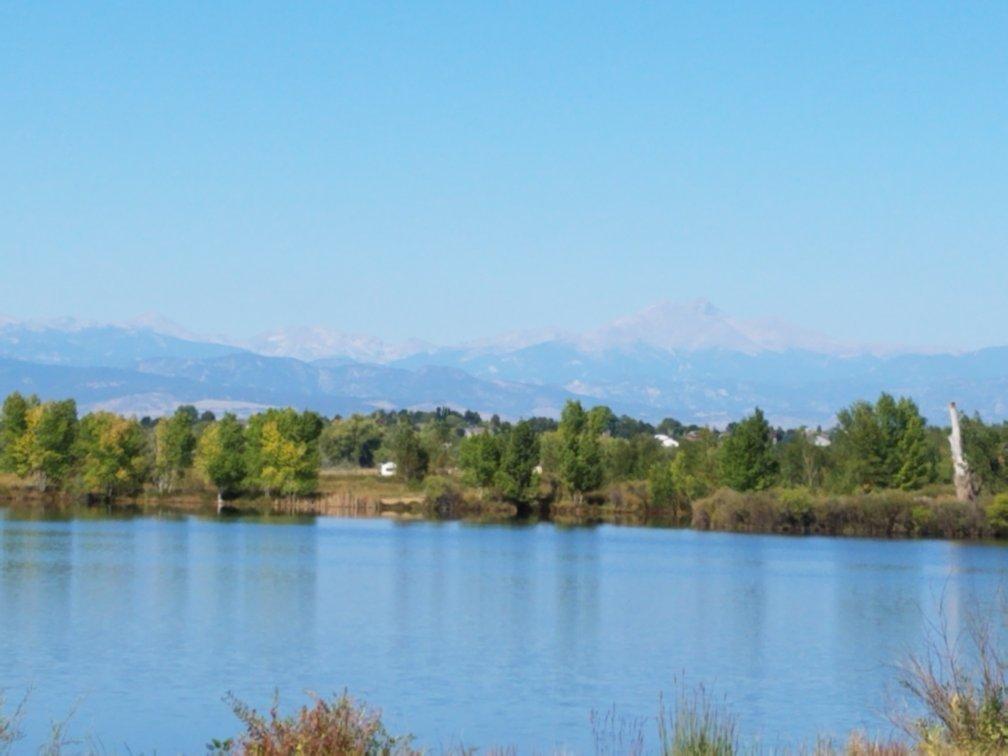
column 480, row 634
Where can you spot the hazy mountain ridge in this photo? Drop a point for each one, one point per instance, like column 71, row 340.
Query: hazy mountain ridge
column 690, row 361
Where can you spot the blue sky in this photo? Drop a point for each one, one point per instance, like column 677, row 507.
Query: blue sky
column 453, row 170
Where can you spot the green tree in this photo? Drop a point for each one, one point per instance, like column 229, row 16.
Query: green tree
column 13, row 424
column 113, row 453
column 747, row 461
column 353, row 440
column 697, row 464
column 671, row 427
column 517, row 477
column 220, row 456
column 281, row 452
column 45, row 450
column 666, row 490
column 802, row 463
column 884, row 445
column 407, row 451
column 986, row 449
column 174, row 444
column 479, row 458
column 916, row 458
column 630, row 458
column 438, row 439
column 860, row 447
column 581, row 455
column 601, row 420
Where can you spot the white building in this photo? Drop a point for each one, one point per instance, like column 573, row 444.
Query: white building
column 387, row 469
column 666, row 441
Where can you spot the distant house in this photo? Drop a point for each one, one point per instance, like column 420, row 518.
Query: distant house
column 818, row 438
column 666, row 441
column 387, row 469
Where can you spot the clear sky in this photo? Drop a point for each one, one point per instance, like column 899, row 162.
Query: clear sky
column 453, row 170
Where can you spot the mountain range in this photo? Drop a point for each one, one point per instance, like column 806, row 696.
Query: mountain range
column 687, row 360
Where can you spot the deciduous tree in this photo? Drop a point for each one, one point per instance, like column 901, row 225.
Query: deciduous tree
column 45, row 450
column 114, row 456
column 220, row 456
column 353, row 440
column 408, row 453
column 281, row 452
column 174, row 444
column 13, row 423
column 479, row 458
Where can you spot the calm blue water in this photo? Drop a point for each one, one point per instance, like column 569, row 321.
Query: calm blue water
column 484, row 634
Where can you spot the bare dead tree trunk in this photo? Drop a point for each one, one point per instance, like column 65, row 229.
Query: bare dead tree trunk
column 965, row 484
column 220, row 501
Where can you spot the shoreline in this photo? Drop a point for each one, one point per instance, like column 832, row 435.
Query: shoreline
column 890, row 516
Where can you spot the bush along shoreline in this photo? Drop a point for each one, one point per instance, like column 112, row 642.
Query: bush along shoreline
column 881, row 471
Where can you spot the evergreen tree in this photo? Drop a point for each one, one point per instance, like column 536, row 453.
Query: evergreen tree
column 517, row 477
column 860, row 448
column 747, row 461
column 580, row 454
column 885, row 445
column 915, row 455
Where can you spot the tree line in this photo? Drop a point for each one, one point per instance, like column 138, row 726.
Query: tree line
column 882, row 445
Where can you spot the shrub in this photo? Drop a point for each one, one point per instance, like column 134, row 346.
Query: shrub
column 442, row 493
column 627, row 496
column 962, row 686
column 997, row 515
column 879, row 514
column 724, row 509
column 795, row 513
column 340, row 726
column 923, row 520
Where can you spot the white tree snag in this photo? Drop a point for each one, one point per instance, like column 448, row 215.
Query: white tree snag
column 965, row 485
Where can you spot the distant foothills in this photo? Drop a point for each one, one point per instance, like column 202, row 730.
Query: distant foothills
column 688, row 360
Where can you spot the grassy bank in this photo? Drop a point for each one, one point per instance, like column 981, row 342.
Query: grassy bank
column 341, row 493
column 882, row 514
column 354, row 492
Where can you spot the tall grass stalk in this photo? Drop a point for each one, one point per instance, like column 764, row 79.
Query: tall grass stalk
column 696, row 726
column 960, row 680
